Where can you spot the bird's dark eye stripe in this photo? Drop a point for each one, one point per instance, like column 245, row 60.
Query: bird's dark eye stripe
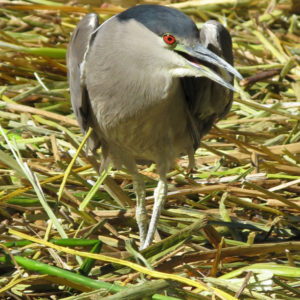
column 169, row 39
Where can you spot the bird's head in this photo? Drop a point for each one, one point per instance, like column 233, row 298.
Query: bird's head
column 176, row 41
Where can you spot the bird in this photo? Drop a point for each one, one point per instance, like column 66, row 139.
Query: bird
column 150, row 85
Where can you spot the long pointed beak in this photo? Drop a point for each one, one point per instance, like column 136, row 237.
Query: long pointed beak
column 197, row 54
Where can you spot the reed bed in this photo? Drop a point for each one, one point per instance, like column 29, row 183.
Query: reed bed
column 229, row 230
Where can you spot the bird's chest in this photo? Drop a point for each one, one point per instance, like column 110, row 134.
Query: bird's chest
column 155, row 127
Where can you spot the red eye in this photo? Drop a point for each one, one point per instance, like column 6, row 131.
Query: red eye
column 169, row 39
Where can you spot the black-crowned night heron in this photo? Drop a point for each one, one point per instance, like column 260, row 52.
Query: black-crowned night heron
column 150, row 85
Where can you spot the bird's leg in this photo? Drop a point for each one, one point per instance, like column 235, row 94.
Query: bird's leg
column 191, row 157
column 160, row 194
column 140, row 211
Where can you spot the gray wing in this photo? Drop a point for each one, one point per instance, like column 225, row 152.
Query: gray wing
column 207, row 100
column 80, row 42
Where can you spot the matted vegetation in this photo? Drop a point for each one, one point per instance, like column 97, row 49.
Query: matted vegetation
column 229, row 230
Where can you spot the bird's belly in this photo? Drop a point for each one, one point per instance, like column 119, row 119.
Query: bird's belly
column 158, row 132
